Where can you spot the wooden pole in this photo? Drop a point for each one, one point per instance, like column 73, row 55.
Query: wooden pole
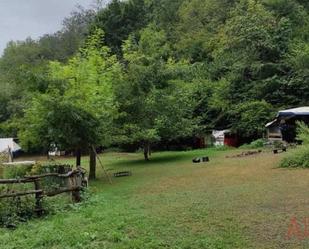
column 38, row 197
column 72, row 184
column 92, row 164
column 78, row 157
column 10, row 155
column 30, row 192
column 104, row 170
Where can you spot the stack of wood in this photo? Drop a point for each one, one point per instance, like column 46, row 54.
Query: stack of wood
column 246, row 153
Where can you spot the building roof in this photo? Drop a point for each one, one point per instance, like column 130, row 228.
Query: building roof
column 300, row 111
column 6, row 143
column 271, row 123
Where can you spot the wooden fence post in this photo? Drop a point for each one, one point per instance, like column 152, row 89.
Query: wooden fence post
column 10, row 155
column 75, row 182
column 72, row 183
column 38, row 198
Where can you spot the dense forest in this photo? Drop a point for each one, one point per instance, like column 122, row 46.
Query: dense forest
column 140, row 72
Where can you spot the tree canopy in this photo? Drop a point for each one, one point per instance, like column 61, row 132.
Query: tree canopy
column 146, row 71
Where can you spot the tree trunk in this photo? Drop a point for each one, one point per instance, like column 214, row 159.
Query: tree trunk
column 78, row 157
column 92, row 164
column 146, row 151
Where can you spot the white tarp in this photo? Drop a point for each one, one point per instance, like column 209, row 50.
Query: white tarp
column 21, row 163
column 6, row 143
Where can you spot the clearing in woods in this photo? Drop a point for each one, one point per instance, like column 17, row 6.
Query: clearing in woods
column 170, row 202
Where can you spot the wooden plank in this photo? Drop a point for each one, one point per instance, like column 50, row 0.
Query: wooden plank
column 61, row 191
column 102, row 165
column 12, row 181
column 69, row 174
column 38, row 198
column 30, row 192
column 41, row 192
column 123, row 174
column 27, row 179
column 20, row 163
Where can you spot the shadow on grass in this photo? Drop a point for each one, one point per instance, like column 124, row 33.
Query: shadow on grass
column 154, row 160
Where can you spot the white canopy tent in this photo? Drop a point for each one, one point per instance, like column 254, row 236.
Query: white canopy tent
column 9, row 143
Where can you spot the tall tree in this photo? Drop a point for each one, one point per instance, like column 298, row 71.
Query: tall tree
column 120, row 19
column 78, row 110
column 152, row 105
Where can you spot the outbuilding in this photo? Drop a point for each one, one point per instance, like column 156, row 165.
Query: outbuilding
column 224, row 138
column 283, row 128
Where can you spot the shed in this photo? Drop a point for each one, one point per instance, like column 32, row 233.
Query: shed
column 224, row 137
column 284, row 126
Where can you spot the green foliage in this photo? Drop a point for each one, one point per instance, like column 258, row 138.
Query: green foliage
column 172, row 68
column 303, row 133
column 120, row 19
column 154, row 102
column 201, row 20
column 16, row 171
column 297, row 159
column 15, row 210
column 250, row 118
column 78, row 108
column 259, row 143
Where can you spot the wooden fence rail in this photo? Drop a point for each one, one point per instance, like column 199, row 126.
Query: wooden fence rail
column 75, row 182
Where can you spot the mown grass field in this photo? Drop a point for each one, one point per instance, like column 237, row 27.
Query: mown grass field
column 172, row 203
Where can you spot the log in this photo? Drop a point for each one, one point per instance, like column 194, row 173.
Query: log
column 61, row 191
column 41, row 193
column 69, row 174
column 12, row 181
column 30, row 192
column 122, row 174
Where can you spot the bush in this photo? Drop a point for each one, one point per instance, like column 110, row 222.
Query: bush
column 297, row 159
column 51, row 167
column 223, row 148
column 20, row 209
column 260, row 143
column 303, row 133
column 16, row 171
column 249, row 118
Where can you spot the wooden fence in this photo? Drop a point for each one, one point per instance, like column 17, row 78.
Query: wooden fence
column 75, row 181
column 6, row 157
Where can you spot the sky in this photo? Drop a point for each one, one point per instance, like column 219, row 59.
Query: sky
column 20, row 19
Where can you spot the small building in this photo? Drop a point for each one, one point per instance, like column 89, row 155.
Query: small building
column 283, row 128
column 55, row 151
column 224, row 138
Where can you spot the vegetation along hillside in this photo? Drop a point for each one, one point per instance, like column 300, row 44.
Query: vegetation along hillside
column 174, row 69
column 129, row 81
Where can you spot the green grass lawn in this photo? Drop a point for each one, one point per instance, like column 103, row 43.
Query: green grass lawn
column 170, row 202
